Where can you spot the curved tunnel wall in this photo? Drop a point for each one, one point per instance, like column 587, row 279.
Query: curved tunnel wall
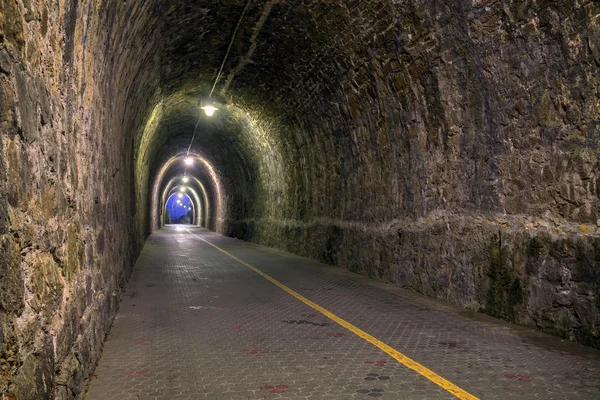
column 68, row 110
column 450, row 147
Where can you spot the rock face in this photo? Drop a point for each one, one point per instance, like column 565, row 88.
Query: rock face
column 447, row 146
column 66, row 239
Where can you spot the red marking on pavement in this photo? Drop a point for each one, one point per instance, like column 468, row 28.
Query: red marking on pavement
column 449, row 344
column 336, row 334
column 379, row 363
column 236, row 327
column 134, row 374
column 140, row 341
column 522, row 378
column 251, row 351
column 275, row 389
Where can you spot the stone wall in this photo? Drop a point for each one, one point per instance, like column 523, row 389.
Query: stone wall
column 67, row 242
column 447, row 146
column 439, row 145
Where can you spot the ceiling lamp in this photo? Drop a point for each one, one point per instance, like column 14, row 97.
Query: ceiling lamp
column 209, row 110
column 188, row 161
column 179, row 195
column 185, row 179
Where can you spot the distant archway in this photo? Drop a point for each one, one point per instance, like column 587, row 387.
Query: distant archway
column 179, row 209
column 200, row 201
column 215, row 210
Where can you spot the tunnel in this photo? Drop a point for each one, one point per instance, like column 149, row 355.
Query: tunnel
column 179, row 208
column 445, row 151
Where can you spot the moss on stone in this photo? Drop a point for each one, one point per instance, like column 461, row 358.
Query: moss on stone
column 505, row 293
column 74, row 252
column 587, row 336
column 44, row 282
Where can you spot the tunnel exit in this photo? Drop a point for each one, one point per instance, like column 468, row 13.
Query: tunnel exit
column 179, row 209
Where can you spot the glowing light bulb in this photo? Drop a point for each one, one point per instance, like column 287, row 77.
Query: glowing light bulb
column 179, row 195
column 209, row 110
column 185, row 179
column 188, row 161
column 182, row 189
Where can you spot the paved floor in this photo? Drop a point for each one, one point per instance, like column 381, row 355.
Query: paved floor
column 197, row 324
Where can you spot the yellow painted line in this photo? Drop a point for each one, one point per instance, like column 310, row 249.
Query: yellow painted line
column 401, row 358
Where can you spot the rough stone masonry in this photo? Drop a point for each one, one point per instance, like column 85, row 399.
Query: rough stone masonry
column 447, row 146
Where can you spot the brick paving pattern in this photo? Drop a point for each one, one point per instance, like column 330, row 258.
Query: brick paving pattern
column 196, row 324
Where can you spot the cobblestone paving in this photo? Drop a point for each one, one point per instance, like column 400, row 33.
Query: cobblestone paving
column 196, row 324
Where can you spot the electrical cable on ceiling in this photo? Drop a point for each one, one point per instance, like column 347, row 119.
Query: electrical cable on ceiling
column 229, row 47
column 218, row 77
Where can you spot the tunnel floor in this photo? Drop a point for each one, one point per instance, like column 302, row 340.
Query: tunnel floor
column 195, row 323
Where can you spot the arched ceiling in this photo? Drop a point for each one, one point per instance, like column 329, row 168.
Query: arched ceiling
column 426, row 142
column 312, row 90
column 285, row 66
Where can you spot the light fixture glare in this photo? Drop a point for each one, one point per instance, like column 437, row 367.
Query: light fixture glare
column 209, row 110
column 185, row 179
column 189, row 160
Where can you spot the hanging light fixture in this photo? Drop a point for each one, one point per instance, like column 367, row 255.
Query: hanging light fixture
column 209, row 110
column 185, row 179
column 182, row 189
column 179, row 195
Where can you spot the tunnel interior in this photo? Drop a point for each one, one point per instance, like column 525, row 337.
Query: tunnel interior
column 179, row 208
column 450, row 147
